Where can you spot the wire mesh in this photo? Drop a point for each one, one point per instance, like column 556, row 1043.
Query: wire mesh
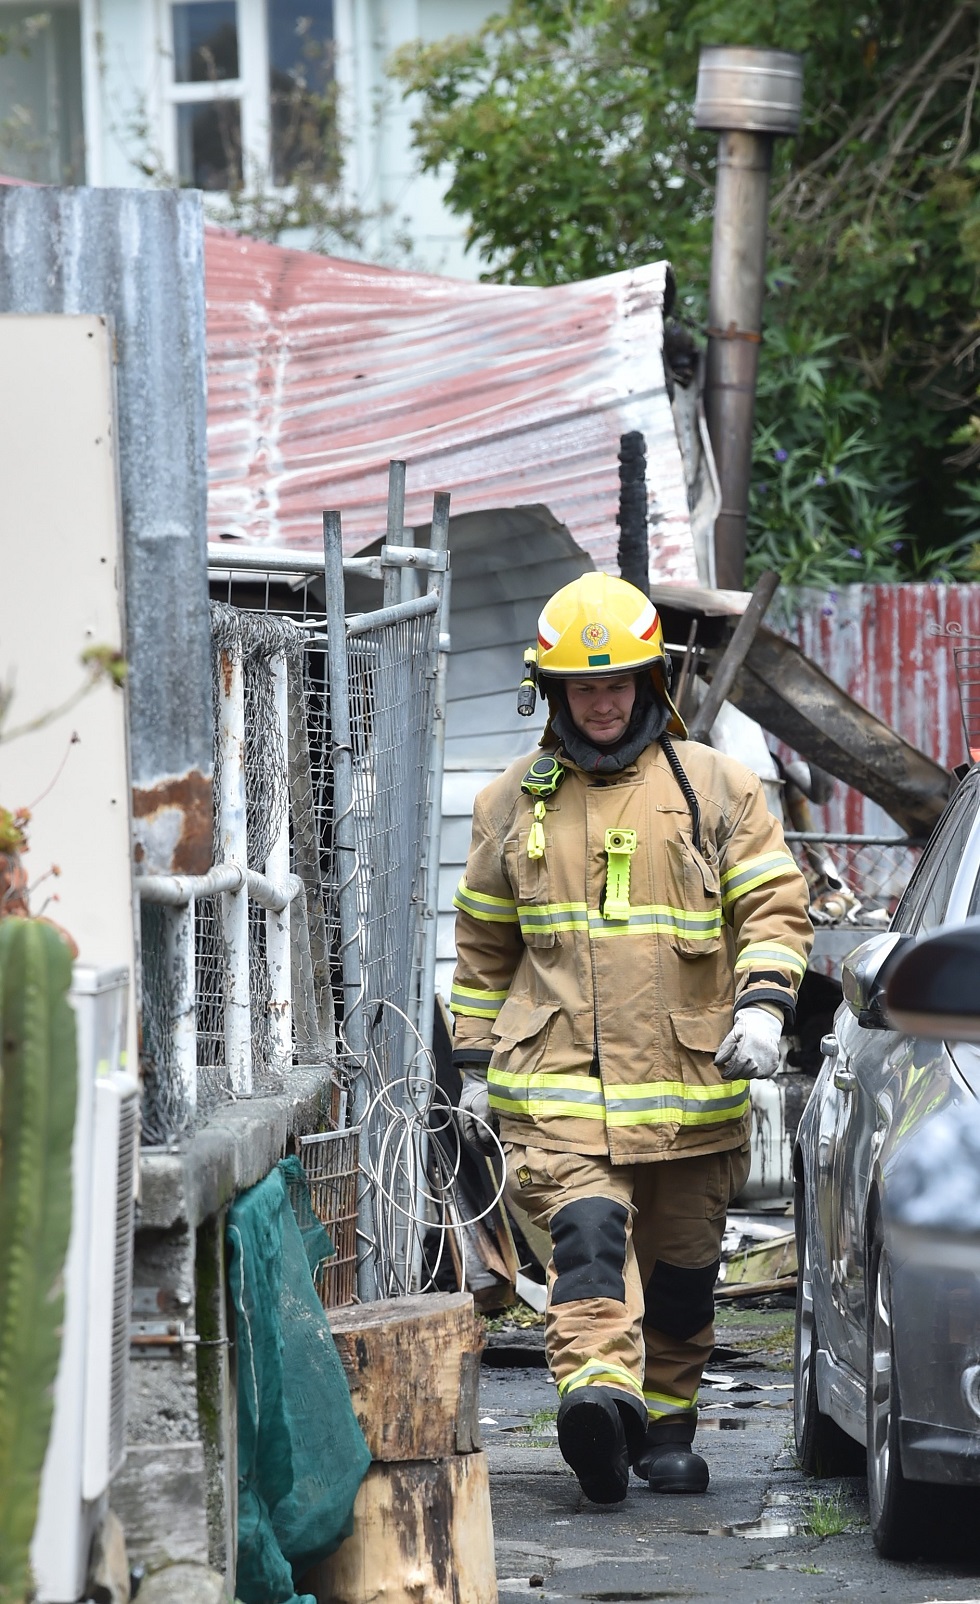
column 330, row 1161
column 854, row 880
column 391, row 687
column 163, row 1115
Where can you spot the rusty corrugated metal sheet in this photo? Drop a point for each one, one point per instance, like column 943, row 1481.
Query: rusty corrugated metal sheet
column 891, row 647
column 321, row 370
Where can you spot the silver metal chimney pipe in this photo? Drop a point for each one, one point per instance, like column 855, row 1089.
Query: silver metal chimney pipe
column 750, row 96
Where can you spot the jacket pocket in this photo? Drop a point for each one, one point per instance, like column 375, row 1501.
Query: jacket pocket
column 694, row 897
column 698, row 1033
column 522, row 1029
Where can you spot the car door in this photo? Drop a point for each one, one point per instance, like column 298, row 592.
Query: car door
column 879, row 1076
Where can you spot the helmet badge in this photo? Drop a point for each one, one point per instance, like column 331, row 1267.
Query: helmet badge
column 595, row 635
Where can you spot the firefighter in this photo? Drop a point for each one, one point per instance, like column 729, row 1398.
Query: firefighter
column 631, row 932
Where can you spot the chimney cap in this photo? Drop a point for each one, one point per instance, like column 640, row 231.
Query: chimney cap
column 755, row 91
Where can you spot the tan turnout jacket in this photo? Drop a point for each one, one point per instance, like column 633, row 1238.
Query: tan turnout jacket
column 603, row 1030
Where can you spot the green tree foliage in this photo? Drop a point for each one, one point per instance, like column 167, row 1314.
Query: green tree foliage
column 566, row 129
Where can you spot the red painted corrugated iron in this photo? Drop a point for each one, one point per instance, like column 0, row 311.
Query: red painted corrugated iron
column 891, row 647
column 321, row 370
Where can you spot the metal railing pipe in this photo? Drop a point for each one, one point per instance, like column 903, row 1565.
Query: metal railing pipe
column 233, row 849
column 277, row 920
column 439, row 585
column 345, row 850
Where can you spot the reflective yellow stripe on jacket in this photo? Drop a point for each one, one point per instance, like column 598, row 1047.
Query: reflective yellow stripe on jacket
column 493, row 910
column 540, row 1096
column 754, row 872
column 656, row 918
column 476, row 1004
column 759, row 953
column 663, row 1102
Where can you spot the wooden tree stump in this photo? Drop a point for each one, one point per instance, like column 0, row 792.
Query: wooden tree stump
column 422, row 1535
column 413, row 1368
column 422, row 1528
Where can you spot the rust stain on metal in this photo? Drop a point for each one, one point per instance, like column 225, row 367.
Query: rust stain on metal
column 226, row 670
column 173, row 824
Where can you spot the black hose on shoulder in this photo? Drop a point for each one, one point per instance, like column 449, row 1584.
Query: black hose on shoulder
column 686, row 787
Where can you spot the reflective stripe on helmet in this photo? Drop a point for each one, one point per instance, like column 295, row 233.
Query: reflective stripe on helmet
column 598, row 622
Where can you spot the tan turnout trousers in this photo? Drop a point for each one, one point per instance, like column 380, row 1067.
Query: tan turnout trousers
column 635, row 1253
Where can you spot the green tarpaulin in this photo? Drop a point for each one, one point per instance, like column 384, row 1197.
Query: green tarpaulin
column 301, row 1454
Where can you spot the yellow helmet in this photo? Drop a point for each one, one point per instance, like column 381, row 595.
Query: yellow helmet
column 603, row 625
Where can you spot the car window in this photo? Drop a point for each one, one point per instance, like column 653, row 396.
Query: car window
column 926, row 897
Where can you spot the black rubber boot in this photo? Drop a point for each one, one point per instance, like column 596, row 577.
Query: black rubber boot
column 667, row 1461
column 592, row 1436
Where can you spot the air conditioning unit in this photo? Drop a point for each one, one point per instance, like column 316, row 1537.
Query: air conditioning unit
column 88, row 1428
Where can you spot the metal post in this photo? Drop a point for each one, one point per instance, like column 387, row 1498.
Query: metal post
column 437, row 668
column 750, row 96
column 395, row 529
column 345, row 850
column 277, row 925
column 438, row 660
column 233, row 849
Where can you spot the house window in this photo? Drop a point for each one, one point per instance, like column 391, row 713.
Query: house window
column 301, row 82
column 252, row 92
column 42, row 135
column 207, row 91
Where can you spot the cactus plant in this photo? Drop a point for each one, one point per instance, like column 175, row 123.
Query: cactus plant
column 37, row 1116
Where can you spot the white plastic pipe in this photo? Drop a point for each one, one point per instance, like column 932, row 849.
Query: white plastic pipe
column 277, row 926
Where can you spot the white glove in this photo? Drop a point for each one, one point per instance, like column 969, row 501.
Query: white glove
column 750, row 1051
column 477, row 1121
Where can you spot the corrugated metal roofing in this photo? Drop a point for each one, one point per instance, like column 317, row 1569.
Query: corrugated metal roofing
column 322, row 370
column 891, row 647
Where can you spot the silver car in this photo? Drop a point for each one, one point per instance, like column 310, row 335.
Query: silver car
column 888, row 1337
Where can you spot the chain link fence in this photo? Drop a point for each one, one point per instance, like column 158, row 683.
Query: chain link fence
column 854, row 880
column 312, row 938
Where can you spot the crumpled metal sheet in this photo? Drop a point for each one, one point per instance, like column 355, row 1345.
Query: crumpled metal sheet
column 321, row 370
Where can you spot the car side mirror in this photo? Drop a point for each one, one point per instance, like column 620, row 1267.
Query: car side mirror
column 933, row 989
column 863, row 977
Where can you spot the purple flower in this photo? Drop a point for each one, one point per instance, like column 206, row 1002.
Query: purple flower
column 826, row 612
column 820, row 480
column 780, row 455
column 854, row 551
column 897, row 545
